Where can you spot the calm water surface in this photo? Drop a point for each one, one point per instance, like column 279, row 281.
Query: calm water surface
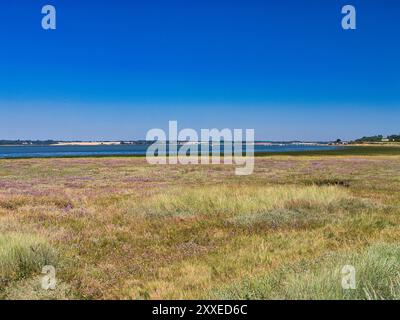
column 106, row 150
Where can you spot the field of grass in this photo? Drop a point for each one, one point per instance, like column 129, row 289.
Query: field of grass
column 119, row 228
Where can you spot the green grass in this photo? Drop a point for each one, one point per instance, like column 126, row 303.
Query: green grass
column 377, row 276
column 341, row 151
column 22, row 255
column 232, row 200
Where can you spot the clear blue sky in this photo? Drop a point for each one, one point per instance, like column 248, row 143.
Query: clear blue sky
column 115, row 69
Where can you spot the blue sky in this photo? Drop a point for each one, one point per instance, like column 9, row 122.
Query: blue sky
column 115, row 69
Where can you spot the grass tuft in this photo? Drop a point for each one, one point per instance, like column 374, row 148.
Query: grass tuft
column 23, row 255
column 377, row 277
column 241, row 200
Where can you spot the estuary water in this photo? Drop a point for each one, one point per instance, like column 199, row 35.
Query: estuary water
column 110, row 150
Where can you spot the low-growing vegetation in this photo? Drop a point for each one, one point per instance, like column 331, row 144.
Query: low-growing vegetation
column 377, row 277
column 22, row 256
column 119, row 228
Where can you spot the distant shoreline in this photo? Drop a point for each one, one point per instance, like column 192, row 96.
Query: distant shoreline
column 257, row 143
column 118, row 143
column 87, row 143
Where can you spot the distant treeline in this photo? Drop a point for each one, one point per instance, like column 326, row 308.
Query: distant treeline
column 380, row 138
column 27, row 142
column 377, row 138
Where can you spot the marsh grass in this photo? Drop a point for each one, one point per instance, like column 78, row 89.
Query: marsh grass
column 241, row 200
column 23, row 255
column 125, row 229
column 377, row 277
column 298, row 218
column 31, row 289
column 17, row 201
